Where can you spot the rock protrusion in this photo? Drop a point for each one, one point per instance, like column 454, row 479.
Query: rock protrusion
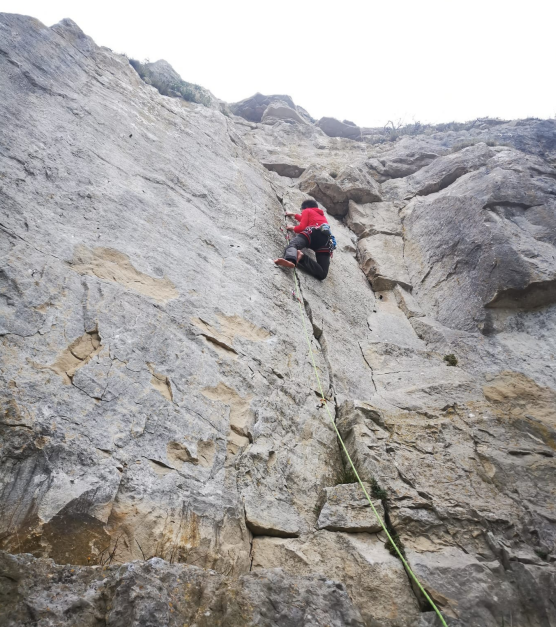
column 382, row 260
column 291, row 170
column 400, row 162
column 346, row 509
column 280, row 111
column 334, row 128
column 254, row 108
column 266, row 516
column 352, row 183
column 374, row 218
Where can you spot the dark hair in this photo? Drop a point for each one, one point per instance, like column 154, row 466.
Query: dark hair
column 308, row 204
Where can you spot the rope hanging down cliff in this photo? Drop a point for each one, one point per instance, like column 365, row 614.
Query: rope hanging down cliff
column 323, row 399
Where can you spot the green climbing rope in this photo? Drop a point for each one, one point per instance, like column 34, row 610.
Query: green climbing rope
column 400, row 555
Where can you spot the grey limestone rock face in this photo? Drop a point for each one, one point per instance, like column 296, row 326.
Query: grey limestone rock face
column 503, row 255
column 374, row 579
column 155, row 593
column 439, row 174
column 400, row 162
column 148, row 398
column 166, row 454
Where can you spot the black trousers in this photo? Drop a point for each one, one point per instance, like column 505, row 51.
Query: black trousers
column 318, row 268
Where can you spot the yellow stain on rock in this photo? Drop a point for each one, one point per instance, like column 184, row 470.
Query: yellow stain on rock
column 76, row 355
column 521, row 395
column 161, row 383
column 112, row 265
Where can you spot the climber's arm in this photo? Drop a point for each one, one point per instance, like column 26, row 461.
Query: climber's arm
column 303, row 222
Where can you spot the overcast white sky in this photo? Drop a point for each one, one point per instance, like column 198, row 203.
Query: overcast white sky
column 365, row 61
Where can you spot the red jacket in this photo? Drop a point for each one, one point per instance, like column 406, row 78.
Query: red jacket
column 313, row 216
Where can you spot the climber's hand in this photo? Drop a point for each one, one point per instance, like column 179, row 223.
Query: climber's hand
column 290, row 215
column 290, row 228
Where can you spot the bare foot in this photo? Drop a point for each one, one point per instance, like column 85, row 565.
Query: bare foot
column 300, row 256
column 284, row 263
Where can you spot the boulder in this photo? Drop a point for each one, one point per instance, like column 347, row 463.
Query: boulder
column 279, row 110
column 352, row 183
column 290, row 170
column 253, row 108
column 334, row 128
column 346, row 509
column 269, row 517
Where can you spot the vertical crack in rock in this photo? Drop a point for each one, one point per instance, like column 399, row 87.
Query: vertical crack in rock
column 251, row 537
column 370, row 367
column 319, row 335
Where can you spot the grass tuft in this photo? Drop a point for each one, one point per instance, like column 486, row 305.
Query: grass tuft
column 398, row 542
column 542, row 553
column 347, row 475
column 376, row 491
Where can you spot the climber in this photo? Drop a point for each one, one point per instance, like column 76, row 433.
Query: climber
column 313, row 232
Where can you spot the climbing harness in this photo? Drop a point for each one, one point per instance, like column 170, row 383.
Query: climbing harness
column 324, row 229
column 324, row 403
